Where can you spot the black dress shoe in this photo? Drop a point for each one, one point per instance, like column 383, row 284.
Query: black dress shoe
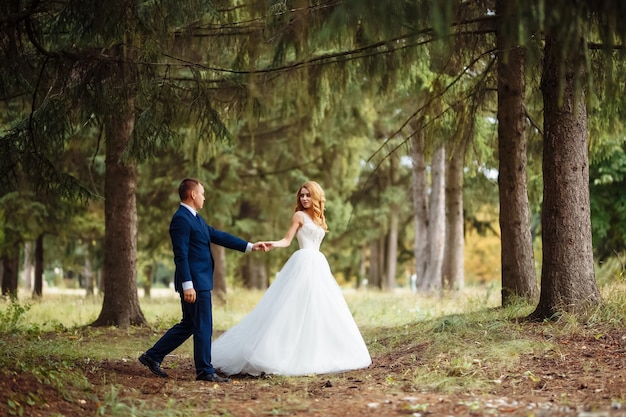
column 211, row 378
column 153, row 365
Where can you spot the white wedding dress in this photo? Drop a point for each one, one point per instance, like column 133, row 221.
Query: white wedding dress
column 302, row 324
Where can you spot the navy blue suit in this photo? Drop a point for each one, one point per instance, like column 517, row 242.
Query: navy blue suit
column 191, row 239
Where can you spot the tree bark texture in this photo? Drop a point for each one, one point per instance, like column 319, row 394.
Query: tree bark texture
column 453, row 271
column 420, row 205
column 567, row 277
column 121, row 304
column 519, row 278
column 436, row 224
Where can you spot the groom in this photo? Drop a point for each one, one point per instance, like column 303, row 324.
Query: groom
column 193, row 280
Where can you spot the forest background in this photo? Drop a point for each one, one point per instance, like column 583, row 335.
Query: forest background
column 396, row 108
column 459, row 142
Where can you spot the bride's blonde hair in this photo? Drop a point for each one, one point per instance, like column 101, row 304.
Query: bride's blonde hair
column 317, row 199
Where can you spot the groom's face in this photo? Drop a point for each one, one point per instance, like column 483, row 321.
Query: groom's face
column 197, row 197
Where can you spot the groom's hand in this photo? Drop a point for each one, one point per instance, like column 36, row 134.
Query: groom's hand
column 260, row 246
column 189, row 295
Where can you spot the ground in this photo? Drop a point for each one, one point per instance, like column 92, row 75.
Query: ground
column 587, row 377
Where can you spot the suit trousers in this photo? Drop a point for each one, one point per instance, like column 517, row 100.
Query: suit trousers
column 197, row 321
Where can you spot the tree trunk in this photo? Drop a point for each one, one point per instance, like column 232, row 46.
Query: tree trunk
column 519, row 278
column 89, row 288
column 38, row 284
column 382, row 260
column 374, row 274
column 420, row 206
column 148, row 271
column 436, row 224
column 362, row 267
column 10, row 268
column 453, row 269
column 219, row 273
column 121, row 304
column 392, row 249
column 100, row 281
column 567, row 277
column 254, row 272
column 27, row 266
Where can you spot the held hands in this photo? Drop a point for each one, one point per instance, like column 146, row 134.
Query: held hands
column 264, row 246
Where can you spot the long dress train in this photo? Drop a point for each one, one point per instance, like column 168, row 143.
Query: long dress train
column 302, row 325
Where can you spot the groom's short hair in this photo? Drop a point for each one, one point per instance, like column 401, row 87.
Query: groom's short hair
column 186, row 186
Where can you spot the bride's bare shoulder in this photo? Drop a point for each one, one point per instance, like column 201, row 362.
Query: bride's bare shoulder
column 298, row 216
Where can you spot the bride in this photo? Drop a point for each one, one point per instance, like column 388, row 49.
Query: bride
column 302, row 324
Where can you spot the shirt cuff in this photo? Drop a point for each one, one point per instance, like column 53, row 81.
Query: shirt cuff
column 249, row 247
column 187, row 285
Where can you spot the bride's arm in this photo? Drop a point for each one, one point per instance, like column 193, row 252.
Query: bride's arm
column 296, row 222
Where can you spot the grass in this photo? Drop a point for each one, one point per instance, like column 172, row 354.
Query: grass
column 371, row 308
column 463, row 341
column 399, row 317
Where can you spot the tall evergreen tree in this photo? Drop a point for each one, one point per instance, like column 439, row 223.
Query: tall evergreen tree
column 517, row 257
column 107, row 65
column 567, row 278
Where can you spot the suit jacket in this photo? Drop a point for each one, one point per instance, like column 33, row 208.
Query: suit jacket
column 191, row 239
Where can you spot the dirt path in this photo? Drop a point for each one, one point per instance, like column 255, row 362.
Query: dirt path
column 587, row 377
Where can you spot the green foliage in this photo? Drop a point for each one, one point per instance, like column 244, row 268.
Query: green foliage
column 255, row 99
column 608, row 201
column 73, row 84
column 12, row 315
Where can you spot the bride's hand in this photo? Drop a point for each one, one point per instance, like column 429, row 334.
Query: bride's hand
column 259, row 246
column 264, row 246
